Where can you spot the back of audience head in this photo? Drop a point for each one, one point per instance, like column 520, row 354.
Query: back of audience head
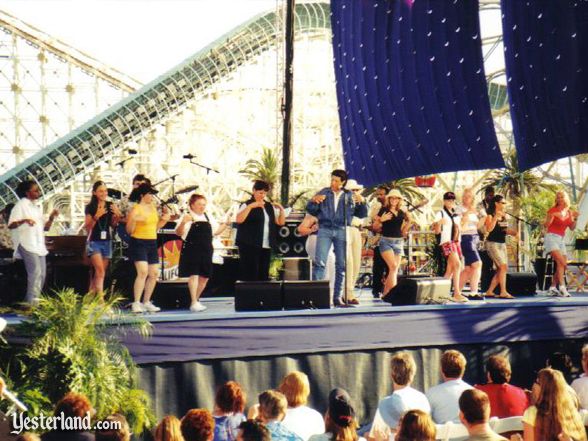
column 416, row 425
column 252, row 430
column 118, row 429
column 403, row 368
column 73, row 405
column 169, row 429
column 230, row 398
column 272, row 405
column 28, row 437
column 585, row 358
column 453, row 364
column 498, row 369
column 562, row 362
column 340, row 417
column 296, row 388
column 197, row 425
column 474, row 407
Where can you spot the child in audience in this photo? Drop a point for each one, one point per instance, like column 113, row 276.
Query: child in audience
column 229, row 404
column 340, row 421
column 169, row 429
column 300, row 419
column 416, row 425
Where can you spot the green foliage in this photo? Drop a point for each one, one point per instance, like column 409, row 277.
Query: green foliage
column 266, row 169
column 406, row 186
column 73, row 348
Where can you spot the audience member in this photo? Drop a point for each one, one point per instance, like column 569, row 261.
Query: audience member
column 118, row 429
column 72, row 405
column 445, row 396
column 403, row 398
column 340, row 421
column 555, row 411
column 300, row 419
column 229, row 404
column 169, row 429
column 252, row 430
column 416, row 425
column 474, row 413
column 272, row 410
column 506, row 400
column 562, row 362
column 28, row 437
column 198, row 425
column 580, row 385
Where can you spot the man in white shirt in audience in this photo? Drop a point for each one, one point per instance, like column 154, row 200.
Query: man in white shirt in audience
column 445, row 396
column 403, row 398
column 474, row 413
column 580, row 385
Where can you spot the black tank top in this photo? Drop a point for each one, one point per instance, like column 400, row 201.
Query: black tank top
column 392, row 227
column 498, row 234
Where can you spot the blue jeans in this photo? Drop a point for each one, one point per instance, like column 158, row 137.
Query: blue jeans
column 36, row 267
column 326, row 237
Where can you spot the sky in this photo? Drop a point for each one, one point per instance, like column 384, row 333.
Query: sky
column 141, row 38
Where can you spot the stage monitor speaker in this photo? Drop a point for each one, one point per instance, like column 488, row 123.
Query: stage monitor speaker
column 297, row 268
column 172, row 294
column 520, row 284
column 290, row 242
column 258, row 296
column 419, row 291
column 581, row 244
column 307, row 294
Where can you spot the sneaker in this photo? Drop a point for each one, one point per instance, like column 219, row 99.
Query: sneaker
column 563, row 291
column 150, row 307
column 553, row 291
column 137, row 307
column 197, row 307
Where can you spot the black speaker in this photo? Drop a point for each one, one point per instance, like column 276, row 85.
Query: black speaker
column 258, row 296
column 222, row 281
column 296, row 268
column 172, row 294
column 290, row 242
column 419, row 291
column 520, row 284
column 304, row 294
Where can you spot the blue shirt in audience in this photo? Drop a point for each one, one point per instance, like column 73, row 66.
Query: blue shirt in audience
column 444, row 400
column 394, row 406
column 280, row 433
column 226, row 427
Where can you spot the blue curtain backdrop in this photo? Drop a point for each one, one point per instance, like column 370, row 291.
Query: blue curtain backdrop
column 546, row 51
column 411, row 88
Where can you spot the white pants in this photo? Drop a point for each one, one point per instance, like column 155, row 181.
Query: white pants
column 330, row 266
column 354, row 246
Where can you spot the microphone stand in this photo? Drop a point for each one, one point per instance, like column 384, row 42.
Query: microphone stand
column 205, row 167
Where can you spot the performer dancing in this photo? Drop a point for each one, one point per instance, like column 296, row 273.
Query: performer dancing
column 142, row 225
column 257, row 232
column 497, row 227
column 394, row 222
column 28, row 225
column 126, row 205
column 334, row 213
column 487, row 271
column 378, row 264
column 196, row 230
column 447, row 224
column 470, row 240
column 101, row 215
column 309, row 227
column 354, row 245
column 559, row 218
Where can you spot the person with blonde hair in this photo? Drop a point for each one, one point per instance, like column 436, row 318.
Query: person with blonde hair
column 416, row 425
column 340, row 419
column 470, row 240
column 555, row 412
column 300, row 419
column 272, row 410
column 580, row 385
column 558, row 219
column 169, row 429
column 118, row 430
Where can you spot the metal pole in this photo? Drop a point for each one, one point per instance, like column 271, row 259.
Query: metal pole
column 287, row 107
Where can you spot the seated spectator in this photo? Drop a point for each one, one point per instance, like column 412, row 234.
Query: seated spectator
column 169, row 429
column 118, row 429
column 251, row 430
column 416, row 425
column 340, row 421
column 72, row 405
column 562, row 362
column 506, row 400
column 197, row 425
column 474, row 413
column 580, row 385
column 28, row 437
column 555, row 411
column 272, row 410
column 445, row 396
column 300, row 419
column 403, row 398
column 229, row 404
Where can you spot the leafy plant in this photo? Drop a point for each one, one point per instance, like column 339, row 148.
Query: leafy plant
column 266, row 169
column 406, row 186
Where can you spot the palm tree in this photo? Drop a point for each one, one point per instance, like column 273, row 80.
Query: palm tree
column 266, row 169
column 406, row 186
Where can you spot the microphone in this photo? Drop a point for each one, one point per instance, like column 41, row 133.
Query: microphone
column 132, row 151
column 15, row 401
column 189, row 156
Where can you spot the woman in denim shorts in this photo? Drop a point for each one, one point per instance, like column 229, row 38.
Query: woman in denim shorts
column 394, row 223
column 101, row 216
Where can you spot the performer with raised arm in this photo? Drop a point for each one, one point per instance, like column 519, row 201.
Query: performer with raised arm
column 28, row 226
column 378, row 264
column 470, row 239
column 334, row 213
column 197, row 229
column 559, row 218
column 257, row 222
column 101, row 216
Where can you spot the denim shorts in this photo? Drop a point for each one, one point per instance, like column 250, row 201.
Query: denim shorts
column 395, row 244
column 143, row 250
column 469, row 248
column 554, row 242
column 103, row 247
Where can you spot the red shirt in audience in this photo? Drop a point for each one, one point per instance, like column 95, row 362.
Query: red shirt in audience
column 506, row 400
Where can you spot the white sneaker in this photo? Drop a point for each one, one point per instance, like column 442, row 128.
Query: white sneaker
column 150, row 307
column 553, row 291
column 197, row 307
column 137, row 307
column 563, row 291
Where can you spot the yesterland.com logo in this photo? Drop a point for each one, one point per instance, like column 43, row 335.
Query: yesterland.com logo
column 60, row 422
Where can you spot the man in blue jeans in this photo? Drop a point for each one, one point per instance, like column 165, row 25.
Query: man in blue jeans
column 334, row 207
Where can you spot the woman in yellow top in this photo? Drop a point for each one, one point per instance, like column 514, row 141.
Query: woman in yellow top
column 142, row 224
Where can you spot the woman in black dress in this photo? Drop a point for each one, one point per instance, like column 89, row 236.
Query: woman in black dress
column 196, row 230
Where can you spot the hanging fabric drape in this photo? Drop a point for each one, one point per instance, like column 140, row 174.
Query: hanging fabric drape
column 546, row 52
column 411, row 88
